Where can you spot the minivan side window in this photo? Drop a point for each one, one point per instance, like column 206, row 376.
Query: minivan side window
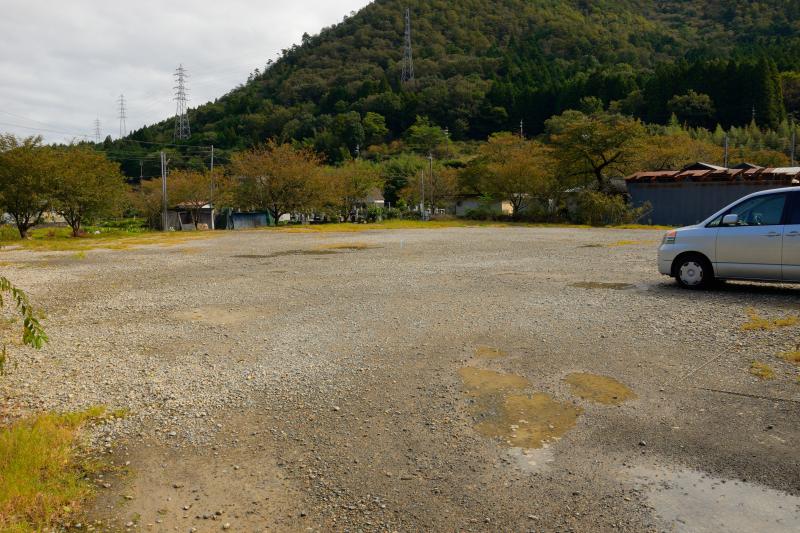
column 764, row 210
column 793, row 216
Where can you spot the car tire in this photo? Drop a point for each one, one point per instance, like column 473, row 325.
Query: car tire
column 693, row 271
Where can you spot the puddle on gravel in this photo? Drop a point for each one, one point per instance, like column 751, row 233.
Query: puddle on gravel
column 531, row 460
column 599, row 389
column 481, row 382
column 692, row 501
column 353, row 247
column 525, row 421
column 601, row 285
column 489, row 352
column 518, row 420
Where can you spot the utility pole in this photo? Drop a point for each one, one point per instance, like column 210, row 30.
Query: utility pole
column 97, row 134
column 725, row 164
column 212, row 175
column 521, row 129
column 165, row 219
column 122, row 116
column 211, row 202
column 794, row 142
column 430, row 167
column 407, row 76
column 141, row 170
column 182, row 131
column 422, row 195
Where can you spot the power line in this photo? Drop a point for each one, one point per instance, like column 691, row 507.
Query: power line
column 45, row 130
column 182, row 131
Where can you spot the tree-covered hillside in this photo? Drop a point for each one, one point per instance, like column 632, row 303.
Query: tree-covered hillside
column 483, row 66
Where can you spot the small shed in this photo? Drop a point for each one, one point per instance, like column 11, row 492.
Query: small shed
column 179, row 218
column 472, row 203
column 692, row 194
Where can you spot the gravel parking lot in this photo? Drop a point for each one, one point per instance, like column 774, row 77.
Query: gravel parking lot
column 475, row 379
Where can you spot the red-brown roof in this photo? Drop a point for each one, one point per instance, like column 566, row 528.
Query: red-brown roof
column 785, row 174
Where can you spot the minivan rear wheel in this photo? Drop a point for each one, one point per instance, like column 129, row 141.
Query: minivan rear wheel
column 693, row 271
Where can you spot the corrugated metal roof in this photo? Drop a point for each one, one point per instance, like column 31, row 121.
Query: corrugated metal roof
column 714, row 173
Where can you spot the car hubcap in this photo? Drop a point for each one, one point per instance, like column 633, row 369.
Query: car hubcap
column 691, row 273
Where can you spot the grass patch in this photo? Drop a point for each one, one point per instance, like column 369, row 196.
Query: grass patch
column 125, row 234
column 61, row 239
column 756, row 322
column 628, row 243
column 43, row 479
column 791, row 357
column 762, row 370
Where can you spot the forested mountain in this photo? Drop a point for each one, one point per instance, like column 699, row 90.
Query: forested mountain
column 484, row 65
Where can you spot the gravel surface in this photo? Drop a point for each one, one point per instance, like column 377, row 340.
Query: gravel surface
column 288, row 381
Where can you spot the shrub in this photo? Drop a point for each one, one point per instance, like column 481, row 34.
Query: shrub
column 598, row 209
column 392, row 213
column 374, row 214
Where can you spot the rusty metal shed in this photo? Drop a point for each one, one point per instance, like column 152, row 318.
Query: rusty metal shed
column 688, row 196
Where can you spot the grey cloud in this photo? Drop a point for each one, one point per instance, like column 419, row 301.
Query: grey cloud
column 64, row 63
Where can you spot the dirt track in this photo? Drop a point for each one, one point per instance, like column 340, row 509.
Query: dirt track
column 317, row 381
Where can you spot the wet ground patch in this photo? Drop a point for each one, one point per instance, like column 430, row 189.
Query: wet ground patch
column 692, row 501
column 599, row 389
column 524, row 421
column 601, row 285
column 489, row 352
column 503, row 411
column 349, row 247
column 481, row 382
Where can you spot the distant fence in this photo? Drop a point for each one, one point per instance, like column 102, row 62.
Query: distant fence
column 686, row 202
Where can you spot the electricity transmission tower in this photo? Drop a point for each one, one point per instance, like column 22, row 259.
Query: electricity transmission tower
column 407, row 76
column 97, row 134
column 123, row 130
column 182, row 131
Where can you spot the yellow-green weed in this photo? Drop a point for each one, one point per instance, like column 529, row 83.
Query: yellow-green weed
column 762, row 370
column 43, row 480
column 757, row 323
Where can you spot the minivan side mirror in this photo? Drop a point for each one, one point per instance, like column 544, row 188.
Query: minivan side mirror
column 730, row 220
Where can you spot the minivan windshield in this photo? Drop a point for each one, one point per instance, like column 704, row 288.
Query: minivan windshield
column 766, row 210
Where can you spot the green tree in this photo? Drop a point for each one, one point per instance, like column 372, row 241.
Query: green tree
column 397, row 172
column 594, row 147
column 375, row 128
column 517, row 170
column 424, row 137
column 277, row 178
column 695, row 109
column 26, row 185
column 351, row 184
column 86, row 185
column 673, row 152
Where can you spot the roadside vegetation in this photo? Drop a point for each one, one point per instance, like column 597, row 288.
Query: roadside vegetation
column 44, row 472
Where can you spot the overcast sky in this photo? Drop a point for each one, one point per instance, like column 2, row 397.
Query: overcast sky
column 64, row 63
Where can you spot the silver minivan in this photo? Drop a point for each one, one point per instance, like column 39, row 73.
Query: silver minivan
column 755, row 238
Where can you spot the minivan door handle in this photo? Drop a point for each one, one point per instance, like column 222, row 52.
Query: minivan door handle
column 793, row 234
column 772, row 234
